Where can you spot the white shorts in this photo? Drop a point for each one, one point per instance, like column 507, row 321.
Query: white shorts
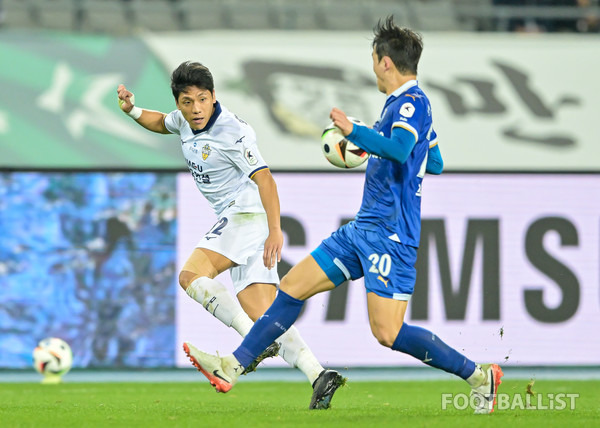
column 241, row 238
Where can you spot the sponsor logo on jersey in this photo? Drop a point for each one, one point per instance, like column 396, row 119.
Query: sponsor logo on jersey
column 250, row 158
column 193, row 166
column 407, row 110
column 205, row 151
column 239, row 140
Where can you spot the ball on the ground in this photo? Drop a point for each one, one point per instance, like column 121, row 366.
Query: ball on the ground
column 338, row 150
column 53, row 357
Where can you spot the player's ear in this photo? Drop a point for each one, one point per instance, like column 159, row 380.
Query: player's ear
column 387, row 62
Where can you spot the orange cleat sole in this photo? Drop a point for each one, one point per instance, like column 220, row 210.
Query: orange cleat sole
column 220, row 384
column 497, row 376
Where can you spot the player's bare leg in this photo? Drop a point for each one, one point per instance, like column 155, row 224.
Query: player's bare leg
column 386, row 317
column 305, row 280
column 256, row 299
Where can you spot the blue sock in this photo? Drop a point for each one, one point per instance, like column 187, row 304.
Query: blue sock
column 282, row 313
column 427, row 347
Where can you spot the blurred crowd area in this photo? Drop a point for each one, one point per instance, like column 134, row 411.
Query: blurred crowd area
column 124, row 17
column 89, row 258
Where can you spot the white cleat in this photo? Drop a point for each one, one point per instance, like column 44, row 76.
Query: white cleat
column 220, row 372
column 484, row 396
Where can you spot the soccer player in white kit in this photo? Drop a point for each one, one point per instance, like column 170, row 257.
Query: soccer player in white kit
column 224, row 160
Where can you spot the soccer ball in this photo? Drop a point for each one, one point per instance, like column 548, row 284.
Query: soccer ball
column 52, row 357
column 338, row 150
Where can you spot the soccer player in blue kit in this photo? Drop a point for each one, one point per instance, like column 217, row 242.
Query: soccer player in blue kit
column 381, row 243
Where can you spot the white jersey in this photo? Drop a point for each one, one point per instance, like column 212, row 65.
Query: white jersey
column 223, row 157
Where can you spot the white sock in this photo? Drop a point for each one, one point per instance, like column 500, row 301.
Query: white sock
column 215, row 298
column 232, row 367
column 296, row 353
column 478, row 378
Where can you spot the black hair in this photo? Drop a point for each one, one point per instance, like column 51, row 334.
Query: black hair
column 402, row 45
column 191, row 74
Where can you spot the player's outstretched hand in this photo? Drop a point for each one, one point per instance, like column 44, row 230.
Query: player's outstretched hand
column 340, row 120
column 126, row 98
column 272, row 252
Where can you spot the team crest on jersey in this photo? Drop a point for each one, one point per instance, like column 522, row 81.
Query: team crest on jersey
column 407, row 110
column 205, row 151
column 250, row 158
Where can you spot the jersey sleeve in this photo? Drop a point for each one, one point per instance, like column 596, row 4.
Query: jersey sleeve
column 244, row 153
column 402, row 142
column 174, row 121
column 433, row 138
column 408, row 114
column 435, row 163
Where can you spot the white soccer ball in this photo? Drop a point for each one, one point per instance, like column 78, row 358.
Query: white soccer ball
column 338, row 150
column 52, row 357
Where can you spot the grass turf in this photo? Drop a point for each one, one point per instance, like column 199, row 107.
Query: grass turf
column 358, row 404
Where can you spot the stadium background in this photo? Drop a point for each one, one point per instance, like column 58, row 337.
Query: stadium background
column 97, row 215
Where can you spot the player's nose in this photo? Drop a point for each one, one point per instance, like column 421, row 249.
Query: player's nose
column 197, row 107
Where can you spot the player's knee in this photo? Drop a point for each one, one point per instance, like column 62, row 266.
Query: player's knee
column 386, row 336
column 386, row 341
column 185, row 278
column 286, row 285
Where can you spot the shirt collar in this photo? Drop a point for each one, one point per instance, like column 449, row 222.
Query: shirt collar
column 403, row 88
column 211, row 121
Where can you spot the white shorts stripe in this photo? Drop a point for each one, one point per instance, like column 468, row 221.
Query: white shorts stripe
column 343, row 268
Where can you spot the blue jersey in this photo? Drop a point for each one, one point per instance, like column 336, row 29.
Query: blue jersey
column 392, row 191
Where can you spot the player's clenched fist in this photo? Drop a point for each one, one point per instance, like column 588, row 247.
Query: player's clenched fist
column 126, row 98
column 340, row 120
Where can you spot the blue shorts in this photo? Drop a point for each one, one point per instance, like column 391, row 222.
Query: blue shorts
column 351, row 253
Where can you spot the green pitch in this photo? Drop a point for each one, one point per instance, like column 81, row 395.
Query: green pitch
column 249, row 404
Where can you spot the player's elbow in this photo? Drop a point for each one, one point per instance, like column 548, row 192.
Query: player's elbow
column 397, row 152
column 436, row 167
column 401, row 157
column 393, row 155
